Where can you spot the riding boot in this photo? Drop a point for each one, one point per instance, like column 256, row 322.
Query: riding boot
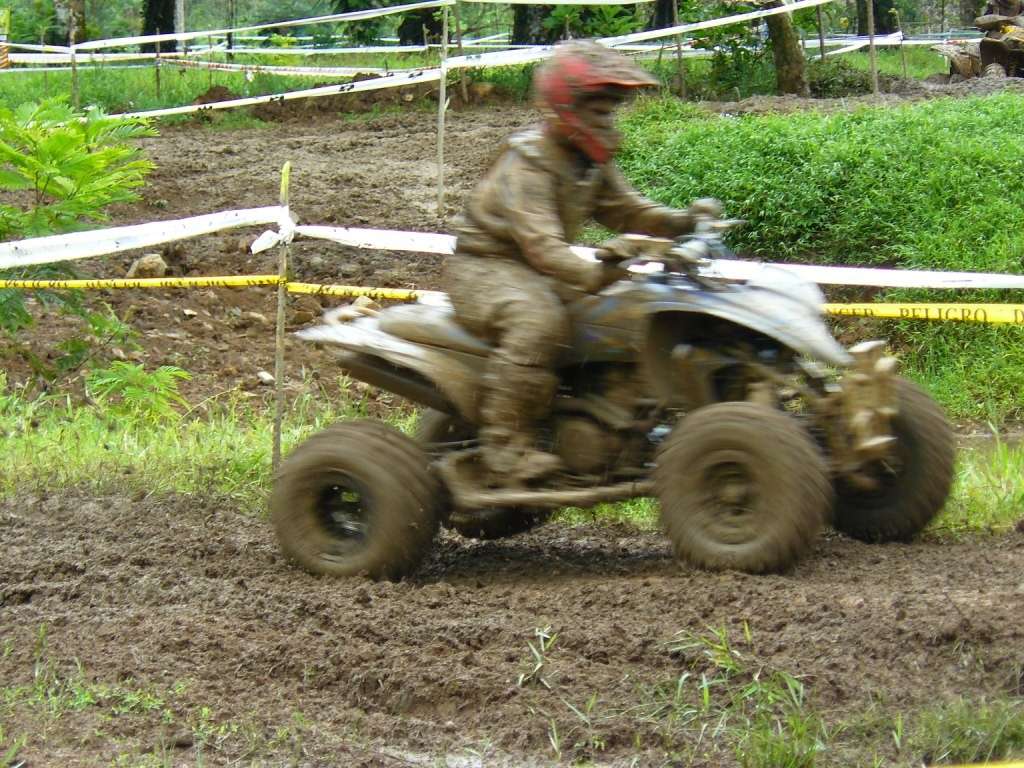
column 515, row 398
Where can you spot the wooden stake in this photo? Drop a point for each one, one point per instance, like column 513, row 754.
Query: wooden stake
column 442, row 105
column 458, row 41
column 903, row 48
column 75, row 99
column 872, row 53
column 680, row 67
column 282, row 305
column 821, row 34
column 156, row 67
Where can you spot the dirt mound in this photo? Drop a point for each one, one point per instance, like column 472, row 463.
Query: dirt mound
column 191, row 602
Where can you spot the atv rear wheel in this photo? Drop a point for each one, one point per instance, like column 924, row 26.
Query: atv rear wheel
column 358, row 498
column 741, row 486
column 912, row 485
column 995, row 69
column 437, row 428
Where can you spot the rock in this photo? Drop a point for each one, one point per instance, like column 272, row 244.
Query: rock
column 150, row 265
column 302, row 316
column 256, row 317
column 189, row 312
column 265, row 378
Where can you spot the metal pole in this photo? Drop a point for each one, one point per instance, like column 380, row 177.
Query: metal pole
column 680, row 67
column 179, row 22
column 821, row 34
column 442, row 105
column 282, row 305
column 458, row 40
column 872, row 53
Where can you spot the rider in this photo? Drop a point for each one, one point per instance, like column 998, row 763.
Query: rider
column 512, row 270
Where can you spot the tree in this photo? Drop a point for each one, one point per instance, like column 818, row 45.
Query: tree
column 788, row 54
column 70, row 20
column 159, row 17
column 528, row 26
column 885, row 19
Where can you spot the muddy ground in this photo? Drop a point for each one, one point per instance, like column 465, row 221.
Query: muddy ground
column 190, row 602
column 179, row 614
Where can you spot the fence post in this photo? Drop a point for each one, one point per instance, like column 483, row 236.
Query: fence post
column 458, row 41
column 442, row 105
column 821, row 34
column 872, row 53
column 282, row 304
column 680, row 67
column 156, row 67
column 75, row 100
column 903, row 48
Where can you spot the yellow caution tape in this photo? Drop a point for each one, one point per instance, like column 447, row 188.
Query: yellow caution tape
column 1012, row 314
column 377, row 294
column 231, row 281
column 964, row 313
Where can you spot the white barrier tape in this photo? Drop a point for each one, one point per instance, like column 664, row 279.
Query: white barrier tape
column 500, row 58
column 68, row 69
column 329, row 51
column 847, row 49
column 40, row 48
column 285, row 233
column 373, row 13
column 655, row 34
column 257, row 69
column 424, row 242
column 561, row 2
column 102, row 242
column 86, row 58
column 397, row 80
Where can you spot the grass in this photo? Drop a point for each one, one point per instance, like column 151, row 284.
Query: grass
column 34, row 697
column 727, row 705
column 222, row 449
column 923, row 186
column 921, row 62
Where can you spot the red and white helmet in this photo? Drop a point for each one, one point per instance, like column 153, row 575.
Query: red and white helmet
column 582, row 69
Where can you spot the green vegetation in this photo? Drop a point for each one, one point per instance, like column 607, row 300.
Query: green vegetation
column 728, row 702
column 925, row 186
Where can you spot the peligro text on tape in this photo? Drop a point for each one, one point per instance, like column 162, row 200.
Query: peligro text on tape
column 378, row 294
column 964, row 313
column 102, row 242
column 120, row 42
column 99, row 284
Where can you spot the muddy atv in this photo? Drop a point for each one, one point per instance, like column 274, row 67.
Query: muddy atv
column 999, row 54
column 730, row 402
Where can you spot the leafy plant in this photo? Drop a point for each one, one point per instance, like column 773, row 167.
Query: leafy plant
column 129, row 390
column 593, row 21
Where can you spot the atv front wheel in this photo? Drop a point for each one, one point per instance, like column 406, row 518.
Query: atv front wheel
column 741, row 486
column 358, row 498
column 436, row 429
column 912, row 485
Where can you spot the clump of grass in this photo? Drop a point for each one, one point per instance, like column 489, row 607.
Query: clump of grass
column 967, row 731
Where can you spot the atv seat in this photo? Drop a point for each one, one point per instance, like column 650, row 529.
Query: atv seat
column 434, row 326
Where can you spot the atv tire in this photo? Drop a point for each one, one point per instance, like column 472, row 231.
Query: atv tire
column 741, row 487
column 358, row 498
column 995, row 70
column 914, row 486
column 485, row 524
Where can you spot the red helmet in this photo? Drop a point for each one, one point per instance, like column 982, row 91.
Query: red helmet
column 578, row 70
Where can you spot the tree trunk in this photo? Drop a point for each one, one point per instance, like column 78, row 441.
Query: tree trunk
column 787, row 53
column 410, row 31
column 662, row 16
column 159, row 16
column 969, row 11
column 528, row 25
column 70, row 18
column 885, row 19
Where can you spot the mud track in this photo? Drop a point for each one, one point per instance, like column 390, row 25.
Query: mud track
column 255, row 663
column 178, row 595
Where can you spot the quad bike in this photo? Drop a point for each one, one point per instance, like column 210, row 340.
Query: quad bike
column 1000, row 54
column 730, row 402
